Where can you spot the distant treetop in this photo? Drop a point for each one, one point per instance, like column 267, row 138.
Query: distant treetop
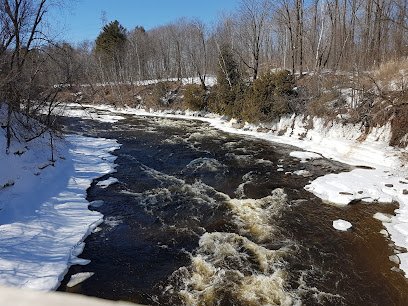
column 111, row 41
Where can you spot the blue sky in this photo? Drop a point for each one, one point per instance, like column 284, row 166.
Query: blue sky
column 81, row 19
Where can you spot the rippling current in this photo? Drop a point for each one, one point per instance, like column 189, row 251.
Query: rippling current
column 201, row 217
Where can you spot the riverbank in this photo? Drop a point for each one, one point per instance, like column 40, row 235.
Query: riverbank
column 44, row 215
column 381, row 173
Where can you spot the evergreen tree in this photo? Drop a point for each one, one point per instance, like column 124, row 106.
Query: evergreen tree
column 230, row 83
column 228, row 73
column 111, row 41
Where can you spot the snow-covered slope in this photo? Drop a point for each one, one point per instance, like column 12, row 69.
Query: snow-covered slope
column 44, row 215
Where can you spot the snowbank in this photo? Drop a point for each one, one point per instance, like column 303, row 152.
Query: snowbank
column 44, row 214
column 387, row 181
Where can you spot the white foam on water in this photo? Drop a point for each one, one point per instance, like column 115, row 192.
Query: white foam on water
column 227, row 264
column 321, row 297
column 205, row 134
column 112, row 221
column 264, row 162
column 303, row 173
column 252, row 216
column 174, row 139
column 204, row 164
column 160, row 176
column 240, row 158
column 247, row 178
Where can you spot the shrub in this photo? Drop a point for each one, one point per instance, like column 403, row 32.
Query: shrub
column 321, row 106
column 159, row 91
column 268, row 97
column 195, row 97
column 399, row 126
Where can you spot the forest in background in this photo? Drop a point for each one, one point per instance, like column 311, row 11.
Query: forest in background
column 269, row 57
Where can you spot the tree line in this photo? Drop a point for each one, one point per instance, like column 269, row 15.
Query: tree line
column 298, row 36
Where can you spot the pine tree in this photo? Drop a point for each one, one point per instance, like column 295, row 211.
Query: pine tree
column 111, row 41
column 229, row 82
column 228, row 73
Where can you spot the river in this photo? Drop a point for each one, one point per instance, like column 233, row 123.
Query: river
column 201, row 217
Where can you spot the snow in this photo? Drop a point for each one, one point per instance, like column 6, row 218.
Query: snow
column 210, row 80
column 44, row 215
column 341, row 225
column 16, row 297
column 75, row 110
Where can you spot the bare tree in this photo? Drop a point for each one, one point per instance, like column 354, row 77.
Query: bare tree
column 196, row 45
column 252, row 20
column 21, row 20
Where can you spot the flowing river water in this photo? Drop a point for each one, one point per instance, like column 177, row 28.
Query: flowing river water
column 201, row 217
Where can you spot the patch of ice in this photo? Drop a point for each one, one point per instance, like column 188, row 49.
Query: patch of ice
column 341, row 225
column 383, row 217
column 305, row 156
column 106, row 183
column 79, row 278
column 96, row 204
column 79, row 261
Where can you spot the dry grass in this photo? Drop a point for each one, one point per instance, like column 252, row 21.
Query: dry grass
column 390, row 76
column 389, row 70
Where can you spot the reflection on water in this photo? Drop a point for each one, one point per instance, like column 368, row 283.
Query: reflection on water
column 200, row 217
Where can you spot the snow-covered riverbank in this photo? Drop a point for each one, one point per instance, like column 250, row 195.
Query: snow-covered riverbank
column 44, row 214
column 381, row 174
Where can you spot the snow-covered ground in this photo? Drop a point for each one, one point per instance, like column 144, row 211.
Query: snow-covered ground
column 210, row 80
column 44, row 215
column 381, row 173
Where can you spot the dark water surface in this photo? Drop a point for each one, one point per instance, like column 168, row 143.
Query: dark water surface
column 201, row 217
